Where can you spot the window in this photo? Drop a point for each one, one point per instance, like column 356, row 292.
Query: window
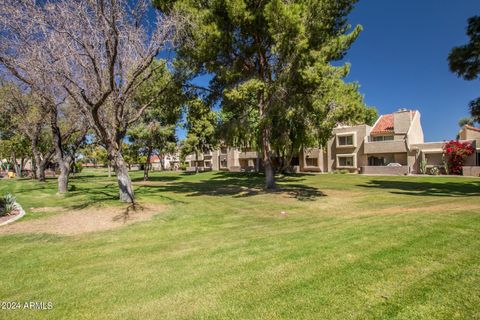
column 382, row 138
column 223, row 163
column 311, row 162
column 478, row 158
column 346, row 139
column 346, row 161
column 376, row 161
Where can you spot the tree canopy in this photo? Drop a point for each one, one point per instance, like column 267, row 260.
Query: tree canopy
column 276, row 69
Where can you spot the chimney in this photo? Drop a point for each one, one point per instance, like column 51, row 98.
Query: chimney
column 402, row 120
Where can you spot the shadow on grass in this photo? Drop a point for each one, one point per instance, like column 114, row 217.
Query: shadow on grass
column 156, row 178
column 238, row 185
column 418, row 188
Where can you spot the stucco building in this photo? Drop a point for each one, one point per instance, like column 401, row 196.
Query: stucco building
column 393, row 145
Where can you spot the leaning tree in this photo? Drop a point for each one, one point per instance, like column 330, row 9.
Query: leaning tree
column 272, row 67
column 100, row 53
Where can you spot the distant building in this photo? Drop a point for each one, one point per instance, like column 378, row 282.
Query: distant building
column 165, row 162
column 393, row 145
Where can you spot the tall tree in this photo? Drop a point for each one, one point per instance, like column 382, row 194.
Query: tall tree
column 154, row 133
column 201, row 123
column 271, row 65
column 99, row 53
column 26, row 114
column 465, row 60
column 27, row 55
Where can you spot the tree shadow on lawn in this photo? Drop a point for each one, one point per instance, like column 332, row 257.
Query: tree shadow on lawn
column 156, row 178
column 238, row 185
column 417, row 188
column 94, row 195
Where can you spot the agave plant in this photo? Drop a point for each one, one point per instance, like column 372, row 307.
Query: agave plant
column 8, row 203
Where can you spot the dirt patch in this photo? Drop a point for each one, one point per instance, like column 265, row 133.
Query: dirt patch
column 47, row 209
column 85, row 220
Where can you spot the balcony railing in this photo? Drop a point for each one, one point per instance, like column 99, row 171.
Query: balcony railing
column 388, row 146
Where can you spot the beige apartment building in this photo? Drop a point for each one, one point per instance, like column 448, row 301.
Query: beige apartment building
column 393, row 145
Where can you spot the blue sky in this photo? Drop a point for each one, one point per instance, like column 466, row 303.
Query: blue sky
column 400, row 60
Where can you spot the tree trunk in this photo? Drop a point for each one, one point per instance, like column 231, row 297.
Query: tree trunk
column 147, row 164
column 39, row 165
column 63, row 177
column 62, row 160
column 196, row 162
column 266, row 151
column 162, row 161
column 267, row 165
column 109, row 169
column 34, row 169
column 124, row 182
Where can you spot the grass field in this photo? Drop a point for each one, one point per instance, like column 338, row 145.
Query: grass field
column 347, row 247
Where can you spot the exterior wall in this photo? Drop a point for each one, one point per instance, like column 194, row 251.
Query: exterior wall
column 407, row 148
column 467, row 133
column 403, row 170
column 334, row 149
column 415, row 133
column 402, row 120
column 377, row 147
column 315, row 153
column 471, row 171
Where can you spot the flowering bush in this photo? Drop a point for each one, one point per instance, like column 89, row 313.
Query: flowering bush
column 456, row 152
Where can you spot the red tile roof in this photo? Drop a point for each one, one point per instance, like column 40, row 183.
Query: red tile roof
column 384, row 124
column 154, row 159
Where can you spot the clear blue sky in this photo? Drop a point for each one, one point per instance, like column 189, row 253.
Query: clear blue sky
column 400, row 60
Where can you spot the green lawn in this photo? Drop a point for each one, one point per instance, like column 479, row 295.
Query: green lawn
column 350, row 247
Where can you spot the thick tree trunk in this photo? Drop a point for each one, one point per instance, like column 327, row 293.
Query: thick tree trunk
column 266, row 152
column 63, row 161
column 162, row 161
column 63, row 177
column 124, row 182
column 267, row 163
column 40, row 165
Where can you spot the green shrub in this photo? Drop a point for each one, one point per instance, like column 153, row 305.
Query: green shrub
column 7, row 204
column 423, row 166
column 183, row 166
column 76, row 167
column 342, row 171
column 434, row 171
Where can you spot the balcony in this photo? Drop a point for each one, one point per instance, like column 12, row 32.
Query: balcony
column 392, row 146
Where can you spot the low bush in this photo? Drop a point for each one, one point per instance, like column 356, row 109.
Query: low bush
column 434, row 171
column 8, row 204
